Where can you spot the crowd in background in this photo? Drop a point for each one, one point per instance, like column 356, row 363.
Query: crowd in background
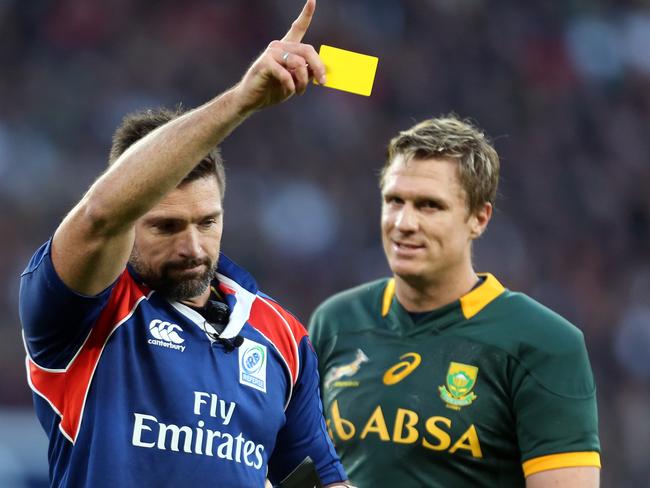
column 562, row 88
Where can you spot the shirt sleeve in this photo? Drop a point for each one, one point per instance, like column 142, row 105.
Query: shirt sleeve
column 555, row 410
column 55, row 319
column 316, row 335
column 305, row 433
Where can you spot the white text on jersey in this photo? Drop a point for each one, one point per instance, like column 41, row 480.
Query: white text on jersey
column 150, row 433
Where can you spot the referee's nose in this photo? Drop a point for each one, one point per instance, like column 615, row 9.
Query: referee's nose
column 189, row 245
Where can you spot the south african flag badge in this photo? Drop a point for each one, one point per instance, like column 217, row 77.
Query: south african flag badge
column 461, row 379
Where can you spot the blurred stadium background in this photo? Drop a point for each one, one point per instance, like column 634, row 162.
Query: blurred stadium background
column 562, row 87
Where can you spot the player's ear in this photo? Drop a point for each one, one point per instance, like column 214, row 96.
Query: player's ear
column 479, row 220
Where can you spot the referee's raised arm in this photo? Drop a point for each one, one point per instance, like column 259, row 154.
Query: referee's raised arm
column 93, row 243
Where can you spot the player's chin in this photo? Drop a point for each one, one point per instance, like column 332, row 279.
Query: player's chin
column 405, row 268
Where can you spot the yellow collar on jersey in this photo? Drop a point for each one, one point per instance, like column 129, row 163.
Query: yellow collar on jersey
column 470, row 303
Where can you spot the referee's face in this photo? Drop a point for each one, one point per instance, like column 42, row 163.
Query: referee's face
column 177, row 242
column 427, row 229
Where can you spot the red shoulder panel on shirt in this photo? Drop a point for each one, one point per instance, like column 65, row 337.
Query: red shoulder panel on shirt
column 66, row 389
column 281, row 328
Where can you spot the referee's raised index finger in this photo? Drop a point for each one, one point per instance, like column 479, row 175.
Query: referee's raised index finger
column 301, row 24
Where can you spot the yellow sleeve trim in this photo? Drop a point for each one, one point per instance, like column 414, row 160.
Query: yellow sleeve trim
column 562, row 460
column 389, row 292
column 474, row 301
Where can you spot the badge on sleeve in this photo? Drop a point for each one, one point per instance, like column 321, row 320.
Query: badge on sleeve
column 252, row 364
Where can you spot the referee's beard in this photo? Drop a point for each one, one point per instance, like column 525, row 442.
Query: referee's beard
column 165, row 280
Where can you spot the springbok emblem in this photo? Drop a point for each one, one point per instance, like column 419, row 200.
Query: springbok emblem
column 349, row 369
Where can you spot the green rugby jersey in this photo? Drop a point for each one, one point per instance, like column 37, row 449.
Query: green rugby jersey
column 481, row 392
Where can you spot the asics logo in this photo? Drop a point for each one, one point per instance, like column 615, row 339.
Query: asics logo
column 166, row 335
column 401, row 370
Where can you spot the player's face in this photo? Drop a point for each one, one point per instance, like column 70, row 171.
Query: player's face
column 426, row 226
column 177, row 242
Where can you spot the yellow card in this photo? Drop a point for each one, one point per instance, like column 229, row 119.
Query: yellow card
column 348, row 71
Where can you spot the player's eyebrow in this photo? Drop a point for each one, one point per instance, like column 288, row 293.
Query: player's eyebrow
column 435, row 200
column 417, row 199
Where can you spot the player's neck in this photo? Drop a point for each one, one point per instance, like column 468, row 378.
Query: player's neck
column 423, row 296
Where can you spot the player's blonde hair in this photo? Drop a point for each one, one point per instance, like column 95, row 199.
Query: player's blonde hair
column 450, row 137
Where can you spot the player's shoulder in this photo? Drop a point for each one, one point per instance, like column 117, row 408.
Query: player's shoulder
column 546, row 345
column 366, row 296
column 346, row 310
column 529, row 321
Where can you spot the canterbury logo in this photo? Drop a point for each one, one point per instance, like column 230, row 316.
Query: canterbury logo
column 401, row 370
column 166, row 335
column 165, row 331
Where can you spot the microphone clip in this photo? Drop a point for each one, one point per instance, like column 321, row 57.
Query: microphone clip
column 232, row 343
column 217, row 314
